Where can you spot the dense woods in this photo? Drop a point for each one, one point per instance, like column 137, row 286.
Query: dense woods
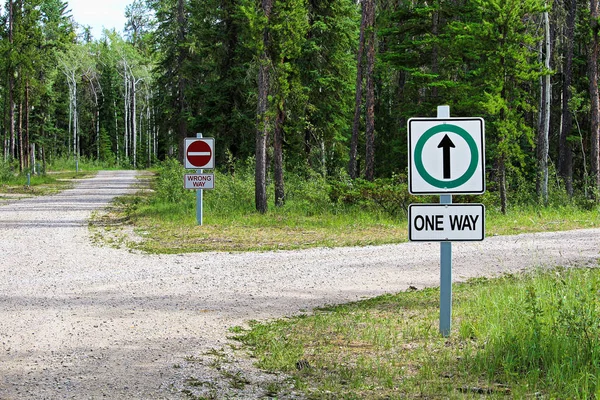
column 308, row 87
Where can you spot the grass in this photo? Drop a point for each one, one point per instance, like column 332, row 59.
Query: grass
column 60, row 176
column 519, row 336
column 16, row 187
column 317, row 213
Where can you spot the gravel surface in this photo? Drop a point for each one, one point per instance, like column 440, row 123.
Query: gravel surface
column 82, row 321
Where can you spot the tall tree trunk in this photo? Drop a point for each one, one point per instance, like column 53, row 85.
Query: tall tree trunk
column 149, row 128
column 133, row 123
column 565, row 154
column 21, row 153
column 544, row 126
column 370, row 103
column 27, row 145
column 278, row 155
column 181, row 81
column 436, row 48
column 11, row 80
column 96, row 117
column 352, row 165
column 43, row 150
column 12, row 122
column 76, row 147
column 260, row 178
column 126, row 115
column 595, row 106
column 502, row 157
column 70, row 134
column 502, row 183
column 116, row 128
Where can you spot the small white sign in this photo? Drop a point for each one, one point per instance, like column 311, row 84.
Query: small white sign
column 446, row 222
column 199, row 181
column 446, row 155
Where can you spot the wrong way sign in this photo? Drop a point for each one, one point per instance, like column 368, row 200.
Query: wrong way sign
column 199, row 153
column 446, row 222
column 446, row 155
column 199, row 181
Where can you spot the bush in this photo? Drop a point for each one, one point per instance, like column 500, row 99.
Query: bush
column 388, row 195
column 233, row 193
column 6, row 172
column 169, row 184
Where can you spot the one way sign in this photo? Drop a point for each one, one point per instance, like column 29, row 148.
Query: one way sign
column 446, row 155
column 446, row 222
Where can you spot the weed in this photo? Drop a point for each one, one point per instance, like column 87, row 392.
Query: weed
column 520, row 335
column 236, row 379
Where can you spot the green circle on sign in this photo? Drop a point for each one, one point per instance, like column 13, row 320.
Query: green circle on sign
column 419, row 156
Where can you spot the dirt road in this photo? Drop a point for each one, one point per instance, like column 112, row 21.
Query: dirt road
column 82, row 321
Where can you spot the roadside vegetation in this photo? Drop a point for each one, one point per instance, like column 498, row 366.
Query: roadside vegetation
column 520, row 336
column 57, row 176
column 318, row 212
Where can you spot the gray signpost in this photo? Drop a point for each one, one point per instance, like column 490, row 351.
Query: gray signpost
column 445, row 259
column 446, row 157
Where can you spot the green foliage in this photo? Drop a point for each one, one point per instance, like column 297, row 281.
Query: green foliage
column 518, row 336
column 169, row 184
column 197, row 72
column 542, row 329
column 235, row 193
column 7, row 173
column 388, row 195
column 84, row 164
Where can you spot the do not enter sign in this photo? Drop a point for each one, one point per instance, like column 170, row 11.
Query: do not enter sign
column 199, row 153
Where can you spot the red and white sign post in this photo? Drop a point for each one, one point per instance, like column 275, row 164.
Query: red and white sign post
column 199, row 153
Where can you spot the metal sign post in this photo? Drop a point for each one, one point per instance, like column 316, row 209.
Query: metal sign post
column 199, row 194
column 445, row 261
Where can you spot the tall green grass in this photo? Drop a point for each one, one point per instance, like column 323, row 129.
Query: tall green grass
column 13, row 181
column 84, row 164
column 534, row 335
column 308, row 196
column 318, row 212
column 542, row 330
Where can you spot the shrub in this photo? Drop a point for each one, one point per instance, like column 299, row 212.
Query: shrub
column 388, row 195
column 169, row 183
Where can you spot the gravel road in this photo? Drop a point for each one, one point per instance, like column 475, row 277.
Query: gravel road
column 81, row 321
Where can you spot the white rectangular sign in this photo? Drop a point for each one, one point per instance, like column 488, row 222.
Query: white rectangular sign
column 199, row 181
column 446, row 222
column 446, row 155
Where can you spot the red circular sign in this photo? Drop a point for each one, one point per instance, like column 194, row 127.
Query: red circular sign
column 199, row 153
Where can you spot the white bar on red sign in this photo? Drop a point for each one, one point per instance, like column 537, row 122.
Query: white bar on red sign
column 199, row 181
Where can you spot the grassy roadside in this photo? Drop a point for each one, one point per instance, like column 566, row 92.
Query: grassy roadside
column 520, row 336
column 16, row 187
column 316, row 214
column 60, row 176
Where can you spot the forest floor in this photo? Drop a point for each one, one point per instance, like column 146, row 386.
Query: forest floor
column 82, row 320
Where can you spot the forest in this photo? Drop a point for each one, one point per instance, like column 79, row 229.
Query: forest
column 307, row 87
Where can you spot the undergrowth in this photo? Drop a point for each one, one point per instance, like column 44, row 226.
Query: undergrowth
column 519, row 336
